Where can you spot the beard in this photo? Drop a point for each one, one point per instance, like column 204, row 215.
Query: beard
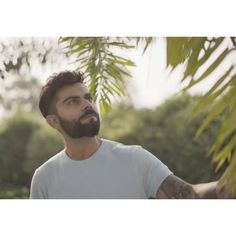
column 75, row 129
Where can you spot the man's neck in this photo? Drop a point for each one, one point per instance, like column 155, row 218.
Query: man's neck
column 82, row 148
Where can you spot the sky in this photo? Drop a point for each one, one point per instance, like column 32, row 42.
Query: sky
column 151, row 83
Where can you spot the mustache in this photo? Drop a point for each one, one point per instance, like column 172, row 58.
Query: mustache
column 89, row 112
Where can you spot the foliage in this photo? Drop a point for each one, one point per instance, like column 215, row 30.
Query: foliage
column 106, row 71
column 21, row 95
column 47, row 138
column 197, row 53
column 14, row 137
column 25, row 143
column 18, row 55
column 22, row 60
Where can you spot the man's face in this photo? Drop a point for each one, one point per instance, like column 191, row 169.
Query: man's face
column 76, row 111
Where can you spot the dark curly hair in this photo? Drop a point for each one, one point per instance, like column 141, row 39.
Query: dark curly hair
column 54, row 83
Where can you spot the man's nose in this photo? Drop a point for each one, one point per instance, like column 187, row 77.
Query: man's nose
column 87, row 105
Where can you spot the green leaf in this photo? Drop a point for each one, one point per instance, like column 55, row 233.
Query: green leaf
column 195, row 46
column 121, row 45
column 207, row 101
column 148, row 40
column 229, row 176
column 217, row 109
column 210, row 69
column 194, row 63
column 177, row 50
column 223, row 155
column 117, row 88
column 121, row 60
column 104, row 94
column 104, row 106
column 219, row 82
column 228, row 127
column 64, row 39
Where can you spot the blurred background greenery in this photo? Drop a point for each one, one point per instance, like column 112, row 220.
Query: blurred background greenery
column 167, row 130
column 26, row 141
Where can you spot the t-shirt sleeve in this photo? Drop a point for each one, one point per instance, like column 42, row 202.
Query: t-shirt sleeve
column 153, row 171
column 36, row 190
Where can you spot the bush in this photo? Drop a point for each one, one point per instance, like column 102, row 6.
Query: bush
column 44, row 143
column 14, row 138
column 25, row 143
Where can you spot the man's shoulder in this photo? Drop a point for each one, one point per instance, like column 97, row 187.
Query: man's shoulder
column 117, row 145
column 51, row 163
column 120, row 148
column 138, row 153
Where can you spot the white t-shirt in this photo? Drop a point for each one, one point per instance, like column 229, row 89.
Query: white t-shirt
column 115, row 171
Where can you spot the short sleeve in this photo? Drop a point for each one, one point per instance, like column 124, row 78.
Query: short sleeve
column 153, row 171
column 36, row 190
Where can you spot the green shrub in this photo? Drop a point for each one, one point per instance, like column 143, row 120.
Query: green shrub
column 44, row 143
column 15, row 135
column 25, row 143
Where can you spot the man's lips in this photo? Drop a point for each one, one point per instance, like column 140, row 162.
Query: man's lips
column 89, row 115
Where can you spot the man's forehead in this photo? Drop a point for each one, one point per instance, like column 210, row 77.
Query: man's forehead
column 77, row 89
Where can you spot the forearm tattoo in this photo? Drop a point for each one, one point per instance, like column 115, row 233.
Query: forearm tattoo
column 175, row 188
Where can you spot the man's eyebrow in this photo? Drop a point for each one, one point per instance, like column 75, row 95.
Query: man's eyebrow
column 71, row 97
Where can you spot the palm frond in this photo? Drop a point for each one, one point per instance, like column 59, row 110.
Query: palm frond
column 219, row 100
column 106, row 71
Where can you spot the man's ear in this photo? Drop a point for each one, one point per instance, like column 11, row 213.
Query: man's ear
column 53, row 121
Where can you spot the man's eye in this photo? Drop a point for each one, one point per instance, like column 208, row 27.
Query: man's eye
column 73, row 101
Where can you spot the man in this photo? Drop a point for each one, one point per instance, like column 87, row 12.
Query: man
column 92, row 167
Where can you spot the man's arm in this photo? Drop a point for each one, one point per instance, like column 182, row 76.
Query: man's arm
column 176, row 188
column 36, row 188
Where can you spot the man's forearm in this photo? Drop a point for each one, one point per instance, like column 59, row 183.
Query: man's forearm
column 175, row 188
